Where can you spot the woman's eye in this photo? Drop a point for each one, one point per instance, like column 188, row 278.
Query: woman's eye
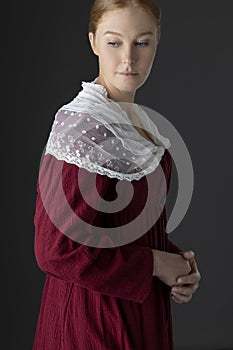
column 141, row 43
column 113, row 44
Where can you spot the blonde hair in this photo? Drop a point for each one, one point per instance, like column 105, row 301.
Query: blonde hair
column 100, row 7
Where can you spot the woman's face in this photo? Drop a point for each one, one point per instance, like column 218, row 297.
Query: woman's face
column 131, row 46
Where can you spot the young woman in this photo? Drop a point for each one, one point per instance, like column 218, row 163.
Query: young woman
column 103, row 293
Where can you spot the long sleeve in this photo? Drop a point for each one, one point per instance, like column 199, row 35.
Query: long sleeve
column 171, row 247
column 124, row 272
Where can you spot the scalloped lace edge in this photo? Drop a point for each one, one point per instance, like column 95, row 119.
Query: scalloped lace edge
column 95, row 168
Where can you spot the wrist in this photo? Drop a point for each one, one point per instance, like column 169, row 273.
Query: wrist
column 157, row 255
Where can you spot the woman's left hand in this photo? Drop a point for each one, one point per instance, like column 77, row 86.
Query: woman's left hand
column 187, row 285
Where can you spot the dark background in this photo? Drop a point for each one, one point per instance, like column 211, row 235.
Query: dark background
column 46, row 56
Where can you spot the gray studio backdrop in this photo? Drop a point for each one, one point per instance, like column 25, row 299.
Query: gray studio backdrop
column 191, row 85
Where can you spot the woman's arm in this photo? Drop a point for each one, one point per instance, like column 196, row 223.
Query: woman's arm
column 124, row 272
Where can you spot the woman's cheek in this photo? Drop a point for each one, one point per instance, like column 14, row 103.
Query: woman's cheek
column 106, row 55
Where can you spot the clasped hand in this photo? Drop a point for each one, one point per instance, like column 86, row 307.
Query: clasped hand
column 186, row 285
column 178, row 271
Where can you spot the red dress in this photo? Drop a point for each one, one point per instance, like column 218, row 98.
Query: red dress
column 101, row 298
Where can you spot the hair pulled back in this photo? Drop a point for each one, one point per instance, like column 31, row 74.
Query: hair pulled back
column 101, row 7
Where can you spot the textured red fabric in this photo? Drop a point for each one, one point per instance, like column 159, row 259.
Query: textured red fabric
column 101, row 298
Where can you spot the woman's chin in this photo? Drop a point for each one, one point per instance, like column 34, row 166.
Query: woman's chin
column 130, row 81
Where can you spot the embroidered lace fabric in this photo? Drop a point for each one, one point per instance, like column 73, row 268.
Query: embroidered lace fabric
column 96, row 133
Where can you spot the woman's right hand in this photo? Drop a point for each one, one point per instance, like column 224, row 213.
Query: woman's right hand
column 169, row 266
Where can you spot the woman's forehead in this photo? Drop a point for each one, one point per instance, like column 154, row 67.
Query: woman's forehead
column 118, row 16
column 120, row 22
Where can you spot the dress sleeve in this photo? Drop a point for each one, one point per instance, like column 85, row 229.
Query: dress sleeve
column 124, row 272
column 171, row 247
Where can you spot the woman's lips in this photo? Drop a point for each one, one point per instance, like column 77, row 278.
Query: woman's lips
column 128, row 74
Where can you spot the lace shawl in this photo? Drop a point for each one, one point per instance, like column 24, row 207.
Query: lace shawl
column 96, row 133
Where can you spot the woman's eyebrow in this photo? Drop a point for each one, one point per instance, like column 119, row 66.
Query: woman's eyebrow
column 115, row 33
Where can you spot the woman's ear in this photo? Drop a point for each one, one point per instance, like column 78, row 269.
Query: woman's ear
column 92, row 42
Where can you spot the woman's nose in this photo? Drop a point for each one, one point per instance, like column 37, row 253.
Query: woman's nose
column 128, row 61
column 129, row 56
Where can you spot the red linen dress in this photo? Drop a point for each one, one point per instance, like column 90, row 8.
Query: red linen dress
column 101, row 298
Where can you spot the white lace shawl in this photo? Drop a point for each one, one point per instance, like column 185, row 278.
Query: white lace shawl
column 95, row 133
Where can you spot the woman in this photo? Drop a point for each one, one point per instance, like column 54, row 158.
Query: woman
column 103, row 293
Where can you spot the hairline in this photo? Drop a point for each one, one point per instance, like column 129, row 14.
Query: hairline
column 119, row 34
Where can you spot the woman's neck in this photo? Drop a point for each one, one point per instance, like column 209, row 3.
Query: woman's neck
column 115, row 94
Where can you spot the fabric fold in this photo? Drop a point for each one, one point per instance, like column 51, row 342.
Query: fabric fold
column 96, row 133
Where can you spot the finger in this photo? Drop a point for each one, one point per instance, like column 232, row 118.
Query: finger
column 193, row 265
column 189, row 254
column 185, row 291
column 194, row 268
column 176, row 300
column 193, row 278
column 181, row 298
